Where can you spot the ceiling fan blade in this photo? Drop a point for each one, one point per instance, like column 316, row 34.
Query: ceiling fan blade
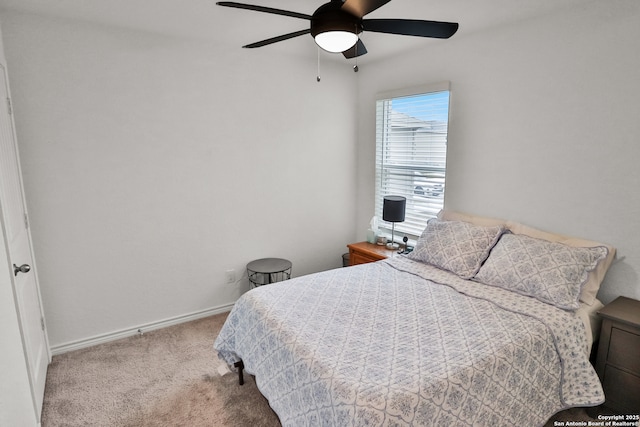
column 264, row 9
column 278, row 39
column 358, row 49
column 360, row 8
column 411, row 27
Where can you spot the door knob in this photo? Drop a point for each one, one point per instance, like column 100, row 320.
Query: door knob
column 24, row 268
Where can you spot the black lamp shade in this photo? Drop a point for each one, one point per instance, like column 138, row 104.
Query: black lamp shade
column 393, row 208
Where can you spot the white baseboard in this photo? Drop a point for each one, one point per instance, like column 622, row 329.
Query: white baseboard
column 116, row 335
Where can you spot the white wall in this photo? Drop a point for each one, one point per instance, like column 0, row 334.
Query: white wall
column 154, row 164
column 544, row 126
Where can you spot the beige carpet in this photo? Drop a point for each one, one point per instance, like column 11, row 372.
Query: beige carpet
column 163, row 378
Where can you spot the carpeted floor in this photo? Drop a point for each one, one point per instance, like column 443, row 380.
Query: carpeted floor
column 166, row 377
column 163, row 378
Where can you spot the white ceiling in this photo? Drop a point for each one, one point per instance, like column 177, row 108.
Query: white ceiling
column 204, row 19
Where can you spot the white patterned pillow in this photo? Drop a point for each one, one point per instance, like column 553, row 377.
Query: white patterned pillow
column 457, row 246
column 550, row 272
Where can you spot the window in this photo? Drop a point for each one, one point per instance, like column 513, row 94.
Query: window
column 411, row 154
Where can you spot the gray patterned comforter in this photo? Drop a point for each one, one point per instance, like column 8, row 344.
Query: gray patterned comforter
column 399, row 342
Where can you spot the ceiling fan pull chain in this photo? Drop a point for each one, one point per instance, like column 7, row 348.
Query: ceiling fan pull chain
column 355, row 67
column 318, row 76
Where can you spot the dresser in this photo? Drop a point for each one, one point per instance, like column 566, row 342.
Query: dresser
column 618, row 361
column 364, row 252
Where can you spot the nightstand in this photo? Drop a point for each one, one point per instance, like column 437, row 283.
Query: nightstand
column 618, row 361
column 364, row 252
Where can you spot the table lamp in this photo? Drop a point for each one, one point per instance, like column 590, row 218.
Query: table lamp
column 393, row 208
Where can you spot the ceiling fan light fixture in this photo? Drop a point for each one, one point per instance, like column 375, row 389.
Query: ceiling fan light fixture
column 333, row 29
column 336, row 41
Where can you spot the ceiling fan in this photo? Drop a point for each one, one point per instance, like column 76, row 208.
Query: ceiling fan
column 335, row 25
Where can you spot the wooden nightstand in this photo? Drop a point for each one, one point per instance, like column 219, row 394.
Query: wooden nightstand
column 618, row 362
column 364, row 252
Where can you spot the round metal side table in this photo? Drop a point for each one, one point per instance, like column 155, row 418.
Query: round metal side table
column 268, row 270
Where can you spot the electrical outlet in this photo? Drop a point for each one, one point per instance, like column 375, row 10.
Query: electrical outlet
column 231, row 276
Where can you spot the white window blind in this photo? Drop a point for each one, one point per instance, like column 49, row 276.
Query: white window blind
column 411, row 155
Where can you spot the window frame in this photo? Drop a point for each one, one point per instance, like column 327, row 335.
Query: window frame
column 433, row 175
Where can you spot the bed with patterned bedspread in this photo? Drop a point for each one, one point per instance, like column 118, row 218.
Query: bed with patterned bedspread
column 404, row 342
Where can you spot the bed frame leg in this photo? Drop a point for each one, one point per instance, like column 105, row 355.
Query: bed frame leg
column 240, row 367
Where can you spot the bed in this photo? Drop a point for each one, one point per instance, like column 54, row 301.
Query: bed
column 450, row 335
